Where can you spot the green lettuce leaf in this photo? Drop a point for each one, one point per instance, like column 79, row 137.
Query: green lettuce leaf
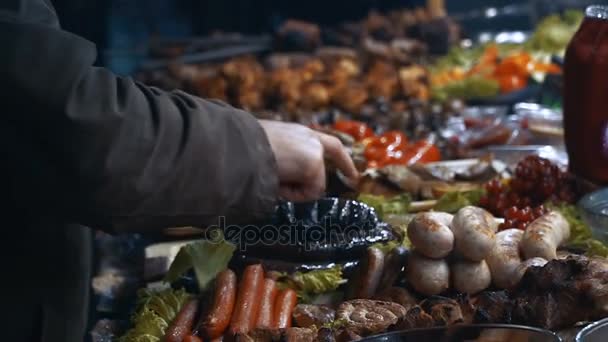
column 309, row 284
column 155, row 310
column 207, row 258
column 581, row 235
column 319, row 281
column 474, row 87
column 451, row 202
column 387, row 206
column 554, row 32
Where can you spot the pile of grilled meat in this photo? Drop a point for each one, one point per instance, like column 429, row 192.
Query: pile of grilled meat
column 331, row 78
column 556, row 296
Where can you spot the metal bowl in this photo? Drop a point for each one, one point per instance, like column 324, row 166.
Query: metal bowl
column 595, row 213
column 470, row 332
column 594, row 332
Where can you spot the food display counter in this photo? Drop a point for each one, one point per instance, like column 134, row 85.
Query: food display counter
column 465, row 223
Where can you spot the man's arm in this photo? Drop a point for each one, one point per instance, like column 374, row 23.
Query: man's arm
column 114, row 153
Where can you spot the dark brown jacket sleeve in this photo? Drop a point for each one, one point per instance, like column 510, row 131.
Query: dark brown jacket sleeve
column 109, row 152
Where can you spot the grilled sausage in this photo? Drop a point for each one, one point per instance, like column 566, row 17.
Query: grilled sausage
column 370, row 273
column 544, row 235
column 470, row 276
column 248, row 300
column 430, row 234
column 504, row 258
column 427, row 276
column 217, row 320
column 266, row 314
column 283, row 308
column 183, row 323
column 393, row 264
column 474, row 233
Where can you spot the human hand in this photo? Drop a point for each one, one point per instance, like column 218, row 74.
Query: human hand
column 299, row 152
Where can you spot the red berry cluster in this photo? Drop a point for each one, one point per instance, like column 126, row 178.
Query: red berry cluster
column 541, row 180
column 521, row 218
column 536, row 181
column 499, row 198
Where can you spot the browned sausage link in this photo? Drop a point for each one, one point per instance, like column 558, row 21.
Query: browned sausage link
column 267, row 304
column 283, row 309
column 183, row 322
column 370, row 273
column 217, row 320
column 248, row 300
column 393, row 264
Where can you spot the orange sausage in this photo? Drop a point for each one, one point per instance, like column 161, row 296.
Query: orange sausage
column 183, row 323
column 267, row 300
column 247, row 306
column 283, row 308
column 218, row 319
column 192, row 338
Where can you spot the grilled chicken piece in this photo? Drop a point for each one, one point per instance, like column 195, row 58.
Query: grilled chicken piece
column 311, row 70
column 398, row 295
column 445, row 311
column 415, row 317
column 306, row 315
column 314, row 96
column 244, row 72
column 413, row 81
column 381, row 80
column 351, row 97
column 299, row 335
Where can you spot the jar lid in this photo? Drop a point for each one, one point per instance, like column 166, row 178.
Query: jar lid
column 597, row 11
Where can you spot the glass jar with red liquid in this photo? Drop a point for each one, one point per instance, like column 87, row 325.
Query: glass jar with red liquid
column 586, row 97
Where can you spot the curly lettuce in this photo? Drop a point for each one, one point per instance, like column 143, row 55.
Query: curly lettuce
column 309, row 284
column 155, row 310
column 397, row 205
column 453, row 201
column 474, row 87
column 554, row 32
column 581, row 235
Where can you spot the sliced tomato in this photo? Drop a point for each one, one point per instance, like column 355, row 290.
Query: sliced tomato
column 511, row 83
column 356, row 129
column 431, row 155
column 393, row 138
column 373, row 152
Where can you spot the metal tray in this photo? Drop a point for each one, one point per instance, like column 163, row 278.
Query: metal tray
column 470, row 333
column 594, row 332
